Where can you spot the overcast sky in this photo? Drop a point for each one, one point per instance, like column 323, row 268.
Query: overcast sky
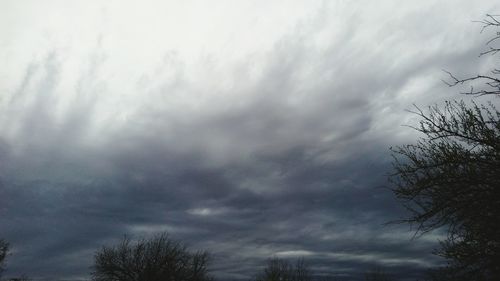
column 249, row 129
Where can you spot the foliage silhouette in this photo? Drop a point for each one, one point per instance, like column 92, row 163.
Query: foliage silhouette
column 377, row 274
column 4, row 251
column 451, row 177
column 22, row 278
column 156, row 259
column 282, row 270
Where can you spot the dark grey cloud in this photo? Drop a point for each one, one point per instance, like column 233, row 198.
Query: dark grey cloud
column 325, row 211
column 281, row 151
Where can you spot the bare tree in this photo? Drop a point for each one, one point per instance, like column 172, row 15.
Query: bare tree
column 451, row 178
column 4, row 251
column 283, row 270
column 302, row 271
column 157, row 259
column 22, row 278
column 489, row 84
column 377, row 274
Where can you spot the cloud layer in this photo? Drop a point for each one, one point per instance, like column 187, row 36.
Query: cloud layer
column 251, row 130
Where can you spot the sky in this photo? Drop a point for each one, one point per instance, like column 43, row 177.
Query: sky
column 249, row 129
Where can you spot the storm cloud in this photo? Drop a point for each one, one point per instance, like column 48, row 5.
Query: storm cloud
column 248, row 129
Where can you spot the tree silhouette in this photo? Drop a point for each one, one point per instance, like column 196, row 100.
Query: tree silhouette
column 282, row 270
column 490, row 83
column 377, row 274
column 157, row 259
column 4, row 250
column 22, row 278
column 451, row 177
